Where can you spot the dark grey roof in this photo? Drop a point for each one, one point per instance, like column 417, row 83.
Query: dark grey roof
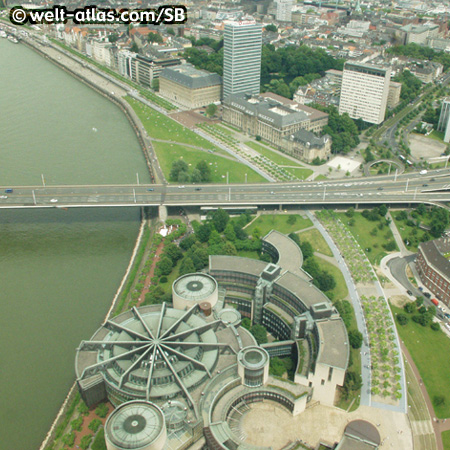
column 310, row 139
column 187, row 75
column 333, row 345
column 433, row 250
column 272, row 110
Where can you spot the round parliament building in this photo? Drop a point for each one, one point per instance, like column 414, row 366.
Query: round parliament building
column 182, row 375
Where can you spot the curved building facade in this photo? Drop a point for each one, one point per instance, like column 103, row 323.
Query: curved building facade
column 194, row 288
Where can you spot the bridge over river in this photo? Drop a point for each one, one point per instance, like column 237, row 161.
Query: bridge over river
column 432, row 187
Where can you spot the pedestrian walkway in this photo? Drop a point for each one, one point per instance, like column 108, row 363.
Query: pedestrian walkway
column 397, row 236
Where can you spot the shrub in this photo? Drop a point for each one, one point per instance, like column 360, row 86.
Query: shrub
column 85, row 441
column 94, row 425
column 435, row 326
column 163, row 279
column 102, row 410
column 402, row 319
column 77, row 423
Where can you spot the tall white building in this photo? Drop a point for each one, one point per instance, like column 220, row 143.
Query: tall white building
column 242, row 57
column 444, row 119
column 364, row 92
column 284, row 10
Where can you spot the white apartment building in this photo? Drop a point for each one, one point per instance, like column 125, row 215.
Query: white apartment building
column 284, row 10
column 364, row 92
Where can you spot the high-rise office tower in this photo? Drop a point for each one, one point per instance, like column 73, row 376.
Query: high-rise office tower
column 444, row 119
column 242, row 57
column 364, row 92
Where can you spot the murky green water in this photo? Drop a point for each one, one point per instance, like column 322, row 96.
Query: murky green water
column 59, row 270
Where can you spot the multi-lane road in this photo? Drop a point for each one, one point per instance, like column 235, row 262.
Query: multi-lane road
column 432, row 187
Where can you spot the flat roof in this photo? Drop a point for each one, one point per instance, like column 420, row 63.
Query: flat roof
column 237, row 264
column 303, row 289
column 187, row 75
column 334, row 347
column 290, row 255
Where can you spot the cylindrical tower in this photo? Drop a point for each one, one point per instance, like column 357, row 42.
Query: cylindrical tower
column 194, row 288
column 136, row 425
column 253, row 366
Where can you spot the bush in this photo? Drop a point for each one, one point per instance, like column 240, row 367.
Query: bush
column 438, row 400
column 94, row 425
column 85, row 441
column 435, row 326
column 77, row 423
column 102, row 410
column 99, row 441
column 355, row 338
column 402, row 319
column 83, row 409
column 163, row 279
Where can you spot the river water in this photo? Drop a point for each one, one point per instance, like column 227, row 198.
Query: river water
column 59, row 270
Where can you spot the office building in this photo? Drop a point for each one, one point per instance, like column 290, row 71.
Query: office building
column 190, row 88
column 433, row 266
column 364, row 92
column 444, row 119
column 242, row 57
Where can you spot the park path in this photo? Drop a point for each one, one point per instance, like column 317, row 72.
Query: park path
column 397, row 236
column 151, row 274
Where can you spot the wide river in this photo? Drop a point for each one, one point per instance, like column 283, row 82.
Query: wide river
column 59, row 270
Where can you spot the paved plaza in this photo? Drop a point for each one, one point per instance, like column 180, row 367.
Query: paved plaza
column 268, row 424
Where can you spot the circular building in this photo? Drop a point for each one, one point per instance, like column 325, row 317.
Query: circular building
column 194, row 288
column 136, row 425
column 153, row 352
column 230, row 315
column 253, row 366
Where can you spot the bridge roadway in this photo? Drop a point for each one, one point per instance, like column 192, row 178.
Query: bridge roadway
column 433, row 187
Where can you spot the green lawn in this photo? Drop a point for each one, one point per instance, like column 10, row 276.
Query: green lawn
column 437, row 136
column 414, row 235
column 446, row 439
column 248, row 254
column 168, row 153
column 317, row 241
column 340, row 291
column 429, row 350
column 267, row 222
column 361, row 230
column 301, row 174
column 159, row 126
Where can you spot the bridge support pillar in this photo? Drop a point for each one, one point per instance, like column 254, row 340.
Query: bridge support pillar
column 356, row 207
column 162, row 212
column 280, row 207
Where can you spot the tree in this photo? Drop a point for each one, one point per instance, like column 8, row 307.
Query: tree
column 229, row 232
column 229, row 249
column 134, row 48
column 260, row 333
column 291, row 219
column 350, row 212
column 220, row 219
column 178, row 166
column 435, row 326
column 173, row 252
column 164, row 266
column 205, row 170
column 113, row 37
column 187, row 266
column 211, row 110
column 355, row 338
column 273, row 28
column 155, row 84
column 277, row 367
column 402, row 319
column 246, row 323
column 203, row 232
column 438, row 400
column 196, row 176
column 155, row 38
column 102, row 410
column 171, row 31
